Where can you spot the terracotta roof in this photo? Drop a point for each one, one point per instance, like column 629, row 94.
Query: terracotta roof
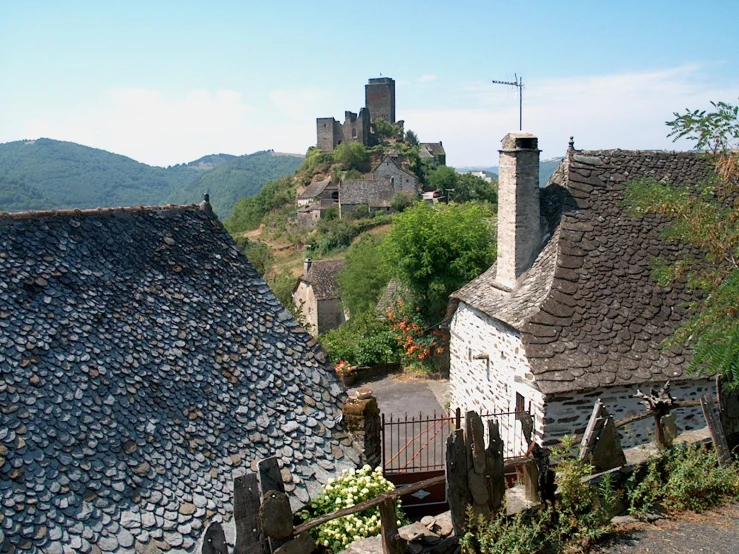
column 143, row 361
column 589, row 312
column 322, row 277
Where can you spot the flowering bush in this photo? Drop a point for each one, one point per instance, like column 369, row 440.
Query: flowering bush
column 418, row 344
column 343, row 368
column 353, row 487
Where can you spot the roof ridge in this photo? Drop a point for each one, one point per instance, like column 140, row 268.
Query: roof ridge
column 42, row 214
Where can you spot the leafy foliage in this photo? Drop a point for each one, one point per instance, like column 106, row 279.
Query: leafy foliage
column 364, row 275
column 353, row 487
column 386, row 130
column 434, row 250
column 705, row 216
column 411, row 138
column 682, row 477
column 249, row 211
column 466, row 187
column 417, row 343
column 257, row 252
column 351, row 155
column 361, row 341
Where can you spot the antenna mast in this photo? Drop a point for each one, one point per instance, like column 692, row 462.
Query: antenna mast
column 519, row 84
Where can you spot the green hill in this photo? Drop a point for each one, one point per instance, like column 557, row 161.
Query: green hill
column 242, row 176
column 51, row 174
column 546, row 169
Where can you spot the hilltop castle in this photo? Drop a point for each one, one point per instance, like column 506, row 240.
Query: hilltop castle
column 379, row 102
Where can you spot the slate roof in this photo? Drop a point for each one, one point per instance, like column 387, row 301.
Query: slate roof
column 589, row 312
column 143, row 361
column 322, row 276
column 316, row 189
column 375, row 193
column 434, row 148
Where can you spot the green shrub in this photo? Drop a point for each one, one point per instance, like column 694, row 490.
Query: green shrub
column 363, row 340
column 525, row 533
column 353, row 487
column 683, row 477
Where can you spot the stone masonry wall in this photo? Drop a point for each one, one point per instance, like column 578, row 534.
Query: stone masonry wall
column 477, row 385
column 569, row 414
column 490, row 385
column 304, row 297
column 379, row 98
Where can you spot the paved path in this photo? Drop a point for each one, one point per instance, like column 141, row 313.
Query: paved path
column 418, row 445
column 715, row 532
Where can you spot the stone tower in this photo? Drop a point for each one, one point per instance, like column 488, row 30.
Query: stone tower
column 379, row 98
column 519, row 226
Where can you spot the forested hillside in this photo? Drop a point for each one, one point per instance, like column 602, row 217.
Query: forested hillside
column 546, row 168
column 242, row 176
column 51, row 174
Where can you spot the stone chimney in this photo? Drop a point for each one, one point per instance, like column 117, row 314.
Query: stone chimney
column 306, row 266
column 519, row 228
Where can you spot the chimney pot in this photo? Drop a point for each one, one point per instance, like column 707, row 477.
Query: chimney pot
column 306, row 266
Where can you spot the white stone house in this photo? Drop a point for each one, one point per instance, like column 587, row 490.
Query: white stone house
column 570, row 312
column 317, row 294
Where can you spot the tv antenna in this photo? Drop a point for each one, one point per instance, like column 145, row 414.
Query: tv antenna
column 518, row 82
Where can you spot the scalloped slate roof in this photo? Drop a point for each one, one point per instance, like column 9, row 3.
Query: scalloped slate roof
column 143, row 361
column 589, row 312
column 322, row 276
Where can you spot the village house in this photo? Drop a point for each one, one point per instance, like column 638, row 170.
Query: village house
column 315, row 200
column 570, row 312
column 377, row 190
column 432, row 153
column 144, row 363
column 317, row 294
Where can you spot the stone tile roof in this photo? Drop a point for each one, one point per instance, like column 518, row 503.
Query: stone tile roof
column 589, row 312
column 322, row 276
column 316, row 189
column 142, row 362
column 434, row 148
column 375, row 193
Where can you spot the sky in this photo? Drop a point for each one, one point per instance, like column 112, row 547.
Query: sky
column 168, row 82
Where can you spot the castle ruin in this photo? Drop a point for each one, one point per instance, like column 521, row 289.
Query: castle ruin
column 379, row 102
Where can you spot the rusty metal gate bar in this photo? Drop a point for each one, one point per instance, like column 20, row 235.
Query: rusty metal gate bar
column 417, row 444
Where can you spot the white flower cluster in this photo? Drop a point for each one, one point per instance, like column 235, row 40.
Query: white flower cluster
column 353, row 487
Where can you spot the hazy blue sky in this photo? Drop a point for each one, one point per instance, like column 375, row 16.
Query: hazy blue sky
column 167, row 82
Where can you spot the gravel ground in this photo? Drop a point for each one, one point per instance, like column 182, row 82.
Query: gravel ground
column 716, row 532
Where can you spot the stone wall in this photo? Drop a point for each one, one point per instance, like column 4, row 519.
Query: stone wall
column 330, row 314
column 569, row 413
column 491, row 384
column 362, row 418
column 329, row 133
column 304, row 298
column 379, row 99
column 402, row 180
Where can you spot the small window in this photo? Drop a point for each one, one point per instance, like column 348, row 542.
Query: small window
column 354, row 132
column 520, row 403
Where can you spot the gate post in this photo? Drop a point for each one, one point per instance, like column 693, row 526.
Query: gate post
column 362, row 417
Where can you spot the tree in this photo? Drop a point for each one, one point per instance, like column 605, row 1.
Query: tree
column 385, row 129
column 705, row 215
column 351, row 155
column 411, row 138
column 364, row 275
column 434, row 250
column 470, row 188
column 441, row 178
column 401, row 202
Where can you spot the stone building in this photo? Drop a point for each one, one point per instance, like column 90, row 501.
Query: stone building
column 320, row 190
column 317, row 294
column 432, row 153
column 143, row 364
column 377, row 190
column 402, row 181
column 379, row 102
column 570, row 311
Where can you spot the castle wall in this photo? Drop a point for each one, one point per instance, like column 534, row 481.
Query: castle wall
column 329, row 133
column 379, row 98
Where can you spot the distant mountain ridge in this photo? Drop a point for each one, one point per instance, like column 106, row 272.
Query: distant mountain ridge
column 52, row 174
column 546, row 169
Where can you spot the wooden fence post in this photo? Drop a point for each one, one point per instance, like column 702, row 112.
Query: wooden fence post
column 214, row 540
column 392, row 542
column 458, row 490
column 713, row 418
column 601, row 445
column 246, row 515
column 270, row 480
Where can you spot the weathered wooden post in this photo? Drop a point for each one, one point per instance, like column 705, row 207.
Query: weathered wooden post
column 458, row 490
column 601, row 445
column 392, row 542
column 659, row 404
column 246, row 515
column 716, row 428
column 214, row 540
column 273, row 493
